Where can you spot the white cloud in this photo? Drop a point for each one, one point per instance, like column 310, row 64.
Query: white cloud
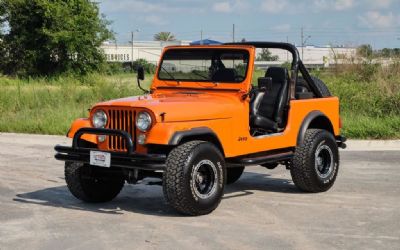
column 344, row 4
column 338, row 5
column 139, row 6
column 224, row 7
column 231, row 6
column 375, row 19
column 381, row 4
column 274, row 6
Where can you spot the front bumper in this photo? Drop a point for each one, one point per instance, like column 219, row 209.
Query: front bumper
column 129, row 159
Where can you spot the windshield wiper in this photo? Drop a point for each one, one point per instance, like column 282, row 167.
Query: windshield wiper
column 169, row 74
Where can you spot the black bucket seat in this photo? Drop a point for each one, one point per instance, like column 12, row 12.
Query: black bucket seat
column 269, row 103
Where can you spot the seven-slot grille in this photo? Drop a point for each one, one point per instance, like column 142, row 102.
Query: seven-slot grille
column 122, row 120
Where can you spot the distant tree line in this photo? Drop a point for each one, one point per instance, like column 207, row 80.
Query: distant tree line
column 367, row 51
column 41, row 37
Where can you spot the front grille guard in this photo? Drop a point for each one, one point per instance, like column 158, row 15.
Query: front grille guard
column 103, row 131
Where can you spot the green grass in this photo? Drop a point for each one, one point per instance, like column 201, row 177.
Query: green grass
column 370, row 107
column 49, row 106
column 365, row 127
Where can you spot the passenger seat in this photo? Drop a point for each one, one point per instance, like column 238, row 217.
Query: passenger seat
column 269, row 103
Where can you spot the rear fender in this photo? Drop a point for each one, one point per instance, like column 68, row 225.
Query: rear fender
column 315, row 119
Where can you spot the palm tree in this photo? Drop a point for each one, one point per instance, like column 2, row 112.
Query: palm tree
column 164, row 36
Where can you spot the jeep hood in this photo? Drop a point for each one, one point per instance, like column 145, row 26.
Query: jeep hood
column 184, row 106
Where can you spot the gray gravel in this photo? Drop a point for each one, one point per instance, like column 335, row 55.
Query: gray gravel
column 263, row 210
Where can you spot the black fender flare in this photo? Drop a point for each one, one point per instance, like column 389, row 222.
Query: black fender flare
column 177, row 137
column 306, row 123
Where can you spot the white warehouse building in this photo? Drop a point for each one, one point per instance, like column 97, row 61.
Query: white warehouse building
column 148, row 50
column 313, row 56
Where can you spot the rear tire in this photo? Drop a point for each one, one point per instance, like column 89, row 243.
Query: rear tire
column 233, row 174
column 321, row 86
column 194, row 179
column 84, row 186
column 316, row 162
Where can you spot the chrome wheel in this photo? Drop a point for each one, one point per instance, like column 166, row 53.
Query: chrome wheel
column 323, row 161
column 204, row 179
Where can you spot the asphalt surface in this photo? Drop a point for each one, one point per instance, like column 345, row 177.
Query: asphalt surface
column 263, row 210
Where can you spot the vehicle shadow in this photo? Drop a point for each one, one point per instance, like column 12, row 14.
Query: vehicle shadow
column 147, row 198
column 251, row 181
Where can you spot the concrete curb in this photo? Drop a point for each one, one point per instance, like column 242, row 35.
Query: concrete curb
column 373, row 145
column 352, row 145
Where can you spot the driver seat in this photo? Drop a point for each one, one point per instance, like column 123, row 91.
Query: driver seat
column 267, row 109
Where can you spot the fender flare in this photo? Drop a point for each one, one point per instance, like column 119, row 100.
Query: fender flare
column 306, row 123
column 178, row 136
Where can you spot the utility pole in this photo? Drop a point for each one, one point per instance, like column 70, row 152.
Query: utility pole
column 201, row 37
column 302, row 43
column 132, row 35
column 233, row 33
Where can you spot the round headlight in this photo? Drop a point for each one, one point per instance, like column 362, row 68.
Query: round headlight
column 143, row 121
column 99, row 119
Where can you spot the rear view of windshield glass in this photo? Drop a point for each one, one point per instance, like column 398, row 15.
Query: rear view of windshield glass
column 204, row 65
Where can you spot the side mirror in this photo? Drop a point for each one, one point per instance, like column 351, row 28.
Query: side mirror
column 140, row 73
column 140, row 76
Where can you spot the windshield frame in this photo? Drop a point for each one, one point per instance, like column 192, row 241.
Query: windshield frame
column 245, row 51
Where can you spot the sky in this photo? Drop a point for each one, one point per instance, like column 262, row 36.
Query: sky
column 324, row 22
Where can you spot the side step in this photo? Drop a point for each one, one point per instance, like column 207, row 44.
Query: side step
column 261, row 158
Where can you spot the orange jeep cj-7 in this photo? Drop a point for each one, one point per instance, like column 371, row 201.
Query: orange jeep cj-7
column 201, row 123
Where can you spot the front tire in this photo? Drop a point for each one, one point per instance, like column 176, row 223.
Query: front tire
column 194, row 179
column 84, row 185
column 316, row 162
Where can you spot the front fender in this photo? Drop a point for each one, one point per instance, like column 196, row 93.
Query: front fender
column 172, row 133
column 82, row 123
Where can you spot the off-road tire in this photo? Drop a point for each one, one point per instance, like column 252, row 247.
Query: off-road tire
column 179, row 186
column 90, row 189
column 233, row 174
column 305, row 169
column 321, row 86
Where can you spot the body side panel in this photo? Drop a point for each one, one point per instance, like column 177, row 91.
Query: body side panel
column 234, row 134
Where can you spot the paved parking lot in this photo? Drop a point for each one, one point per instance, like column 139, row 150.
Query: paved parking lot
column 263, row 210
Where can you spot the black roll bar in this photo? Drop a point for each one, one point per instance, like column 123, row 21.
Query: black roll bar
column 296, row 66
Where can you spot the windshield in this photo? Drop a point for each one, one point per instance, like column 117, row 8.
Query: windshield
column 204, row 65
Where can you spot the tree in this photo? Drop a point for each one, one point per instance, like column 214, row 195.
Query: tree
column 164, row 36
column 266, row 55
column 385, row 52
column 51, row 37
column 365, row 50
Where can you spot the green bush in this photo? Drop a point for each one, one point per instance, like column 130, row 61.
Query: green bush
column 148, row 67
column 369, row 97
